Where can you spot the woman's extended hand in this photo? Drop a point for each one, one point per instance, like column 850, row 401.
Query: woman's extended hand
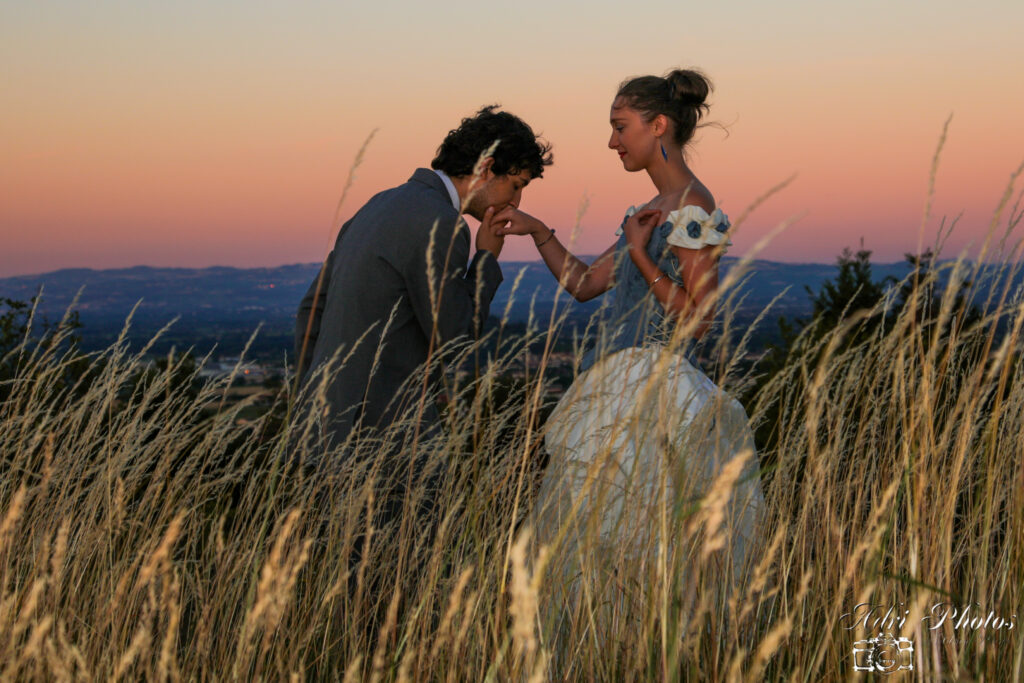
column 639, row 227
column 520, row 223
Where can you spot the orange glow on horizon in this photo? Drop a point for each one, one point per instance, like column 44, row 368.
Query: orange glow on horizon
column 153, row 136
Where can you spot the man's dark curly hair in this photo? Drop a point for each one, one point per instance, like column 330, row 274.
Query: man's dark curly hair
column 518, row 150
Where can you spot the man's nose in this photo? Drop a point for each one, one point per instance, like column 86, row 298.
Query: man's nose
column 517, row 198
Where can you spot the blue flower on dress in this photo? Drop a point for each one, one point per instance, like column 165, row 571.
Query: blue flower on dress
column 693, row 229
column 665, row 228
column 722, row 227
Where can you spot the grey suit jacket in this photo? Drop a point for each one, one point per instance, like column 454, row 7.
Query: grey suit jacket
column 378, row 270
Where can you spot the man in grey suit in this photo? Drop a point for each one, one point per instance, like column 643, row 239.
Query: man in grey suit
column 395, row 289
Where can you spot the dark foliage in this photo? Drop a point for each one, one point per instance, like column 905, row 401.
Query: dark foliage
column 867, row 309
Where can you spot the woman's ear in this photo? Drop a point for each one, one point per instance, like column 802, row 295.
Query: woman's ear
column 659, row 125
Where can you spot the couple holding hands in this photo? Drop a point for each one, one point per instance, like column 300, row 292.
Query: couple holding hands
column 641, row 427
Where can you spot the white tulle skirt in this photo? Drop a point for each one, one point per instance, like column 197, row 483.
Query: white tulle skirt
column 634, row 446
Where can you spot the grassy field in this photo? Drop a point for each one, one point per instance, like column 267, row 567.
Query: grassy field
column 140, row 538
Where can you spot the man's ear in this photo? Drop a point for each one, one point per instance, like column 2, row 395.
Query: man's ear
column 484, row 169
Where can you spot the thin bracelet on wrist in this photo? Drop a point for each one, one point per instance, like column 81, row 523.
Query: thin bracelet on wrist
column 655, row 281
column 546, row 239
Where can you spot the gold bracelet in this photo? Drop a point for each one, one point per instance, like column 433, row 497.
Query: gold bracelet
column 546, row 239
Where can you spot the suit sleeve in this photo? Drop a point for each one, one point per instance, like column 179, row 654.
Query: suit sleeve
column 311, row 310
column 461, row 297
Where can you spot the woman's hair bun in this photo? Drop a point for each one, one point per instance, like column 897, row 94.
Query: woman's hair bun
column 681, row 96
column 689, row 87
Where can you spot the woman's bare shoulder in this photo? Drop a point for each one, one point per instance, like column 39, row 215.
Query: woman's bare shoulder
column 696, row 195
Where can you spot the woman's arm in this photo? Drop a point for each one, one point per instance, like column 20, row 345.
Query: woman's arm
column 582, row 281
column 698, row 271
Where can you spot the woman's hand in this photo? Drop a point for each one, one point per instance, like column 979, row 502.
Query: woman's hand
column 639, row 227
column 517, row 222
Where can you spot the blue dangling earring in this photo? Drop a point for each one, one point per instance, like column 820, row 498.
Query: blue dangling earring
column 664, row 154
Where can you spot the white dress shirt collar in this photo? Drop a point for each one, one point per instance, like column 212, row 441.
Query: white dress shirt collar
column 450, row 186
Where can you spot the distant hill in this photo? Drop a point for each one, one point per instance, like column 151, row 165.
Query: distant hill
column 271, row 293
column 225, row 305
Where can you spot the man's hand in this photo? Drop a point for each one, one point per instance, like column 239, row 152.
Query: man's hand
column 489, row 236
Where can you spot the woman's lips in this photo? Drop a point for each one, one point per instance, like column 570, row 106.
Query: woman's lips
column 622, row 154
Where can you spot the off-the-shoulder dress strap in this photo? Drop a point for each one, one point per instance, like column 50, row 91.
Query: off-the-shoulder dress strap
column 693, row 227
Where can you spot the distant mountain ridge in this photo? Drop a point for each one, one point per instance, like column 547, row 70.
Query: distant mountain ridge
column 255, row 292
column 222, row 303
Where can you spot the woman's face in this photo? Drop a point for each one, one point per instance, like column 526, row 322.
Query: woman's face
column 633, row 138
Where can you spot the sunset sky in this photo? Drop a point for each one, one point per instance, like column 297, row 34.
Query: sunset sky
column 221, row 133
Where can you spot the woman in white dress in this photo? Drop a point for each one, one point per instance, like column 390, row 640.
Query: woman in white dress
column 638, row 440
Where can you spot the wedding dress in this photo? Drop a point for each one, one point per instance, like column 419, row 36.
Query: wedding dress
column 638, row 439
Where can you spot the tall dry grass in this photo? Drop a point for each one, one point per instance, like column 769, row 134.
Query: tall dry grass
column 141, row 539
